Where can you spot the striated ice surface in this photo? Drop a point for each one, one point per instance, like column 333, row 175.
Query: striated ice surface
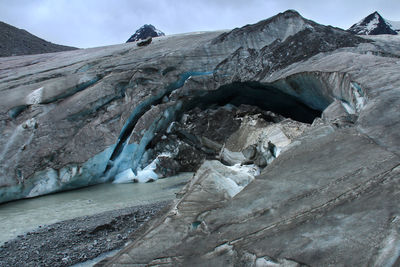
column 35, row 97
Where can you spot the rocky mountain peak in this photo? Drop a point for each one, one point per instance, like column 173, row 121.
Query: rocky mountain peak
column 373, row 24
column 145, row 32
column 278, row 27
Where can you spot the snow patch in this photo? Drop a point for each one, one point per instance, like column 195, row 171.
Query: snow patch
column 308, row 26
column 46, row 185
column 67, row 174
column 124, row 177
column 359, row 96
column 348, row 108
column 31, row 123
column 146, row 175
column 372, row 24
column 35, row 97
column 232, row 179
column 251, row 169
column 395, row 24
column 143, row 176
column 231, row 188
column 10, row 142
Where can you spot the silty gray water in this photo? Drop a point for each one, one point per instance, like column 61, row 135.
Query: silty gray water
column 21, row 216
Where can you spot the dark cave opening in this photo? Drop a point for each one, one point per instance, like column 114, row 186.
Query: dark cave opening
column 298, row 105
column 204, row 123
column 264, row 96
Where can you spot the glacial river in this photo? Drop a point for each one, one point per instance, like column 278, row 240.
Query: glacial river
column 21, row 216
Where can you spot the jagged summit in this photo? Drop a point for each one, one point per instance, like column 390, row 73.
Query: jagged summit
column 279, row 26
column 16, row 42
column 144, row 32
column 287, row 25
column 264, row 32
column 373, row 24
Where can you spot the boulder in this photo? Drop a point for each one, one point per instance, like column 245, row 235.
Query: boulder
column 145, row 42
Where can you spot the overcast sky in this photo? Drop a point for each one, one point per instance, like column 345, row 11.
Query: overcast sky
column 89, row 23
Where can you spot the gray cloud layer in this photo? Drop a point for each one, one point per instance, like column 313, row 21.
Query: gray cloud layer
column 89, row 23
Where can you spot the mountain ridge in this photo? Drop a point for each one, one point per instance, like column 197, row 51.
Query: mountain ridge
column 17, row 42
column 373, row 24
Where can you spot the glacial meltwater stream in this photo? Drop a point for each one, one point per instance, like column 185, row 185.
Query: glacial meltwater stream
column 21, row 216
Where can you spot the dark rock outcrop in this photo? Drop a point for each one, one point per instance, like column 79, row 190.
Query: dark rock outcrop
column 216, row 133
column 145, row 32
column 373, row 24
column 16, row 42
column 145, row 42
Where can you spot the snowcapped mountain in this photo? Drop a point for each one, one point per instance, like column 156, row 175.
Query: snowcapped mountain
column 395, row 25
column 144, row 32
column 374, row 24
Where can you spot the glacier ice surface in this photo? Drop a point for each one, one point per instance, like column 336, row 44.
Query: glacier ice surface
column 143, row 176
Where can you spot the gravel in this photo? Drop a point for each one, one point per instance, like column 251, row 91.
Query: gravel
column 77, row 240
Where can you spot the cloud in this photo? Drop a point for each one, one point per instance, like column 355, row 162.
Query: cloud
column 102, row 22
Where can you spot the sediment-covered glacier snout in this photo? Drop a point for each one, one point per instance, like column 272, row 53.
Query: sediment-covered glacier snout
column 101, row 111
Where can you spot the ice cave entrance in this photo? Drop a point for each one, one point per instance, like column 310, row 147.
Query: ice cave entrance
column 301, row 102
column 264, row 96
